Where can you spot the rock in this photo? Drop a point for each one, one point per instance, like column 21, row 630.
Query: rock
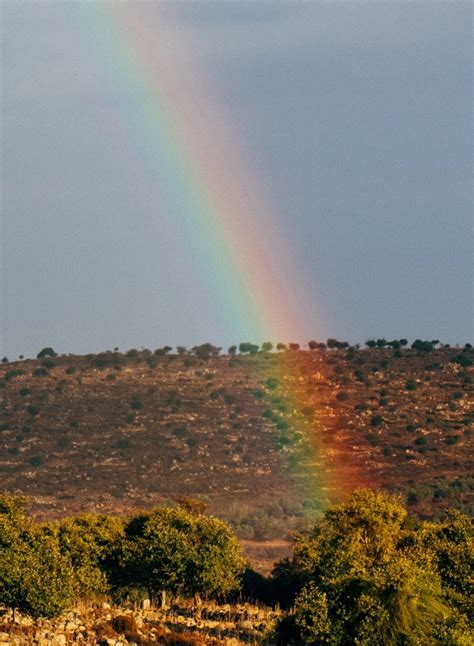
column 146, row 604
column 4, row 638
column 106, row 606
column 59, row 640
column 246, row 625
column 25, row 621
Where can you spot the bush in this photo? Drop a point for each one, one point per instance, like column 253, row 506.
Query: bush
column 37, row 460
column 136, row 403
column 451, row 440
column 40, row 372
column 272, row 383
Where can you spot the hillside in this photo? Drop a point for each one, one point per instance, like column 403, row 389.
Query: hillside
column 263, row 439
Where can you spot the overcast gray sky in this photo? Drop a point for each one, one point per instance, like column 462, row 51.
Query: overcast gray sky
column 358, row 119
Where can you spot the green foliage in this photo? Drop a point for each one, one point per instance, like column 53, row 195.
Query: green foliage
column 248, row 348
column 34, row 576
column 180, row 552
column 369, row 575
column 424, row 346
column 206, row 351
column 88, row 540
column 46, row 352
column 272, row 383
column 11, row 374
column 338, row 345
column 37, row 460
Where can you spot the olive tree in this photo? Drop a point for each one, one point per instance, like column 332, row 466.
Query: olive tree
column 181, row 552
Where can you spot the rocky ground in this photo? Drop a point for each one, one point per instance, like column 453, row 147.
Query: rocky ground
column 106, row 625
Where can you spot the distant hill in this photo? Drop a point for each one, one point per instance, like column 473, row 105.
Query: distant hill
column 113, row 432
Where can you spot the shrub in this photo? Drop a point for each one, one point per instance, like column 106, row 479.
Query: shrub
column 272, row 383
column 40, row 372
column 11, row 374
column 37, row 460
column 420, row 441
column 362, row 408
column 136, row 403
column 376, row 420
column 32, row 410
column 63, row 442
column 450, row 440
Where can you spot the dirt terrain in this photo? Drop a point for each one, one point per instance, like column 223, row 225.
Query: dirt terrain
column 264, row 440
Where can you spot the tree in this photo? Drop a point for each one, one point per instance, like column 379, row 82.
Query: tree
column 280, row 347
column 161, row 352
column 371, row 343
column 314, row 345
column 365, row 579
column 181, row 350
column 46, row 352
column 334, row 343
column 5, row 360
column 424, row 346
column 267, row 346
column 205, row 350
column 293, row 346
column 232, row 350
column 180, row 552
column 88, row 541
column 34, row 576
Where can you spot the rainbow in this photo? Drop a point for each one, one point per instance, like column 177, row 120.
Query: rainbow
column 182, row 134
column 225, row 218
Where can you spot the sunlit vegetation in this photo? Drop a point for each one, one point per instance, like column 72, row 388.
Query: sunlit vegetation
column 365, row 572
